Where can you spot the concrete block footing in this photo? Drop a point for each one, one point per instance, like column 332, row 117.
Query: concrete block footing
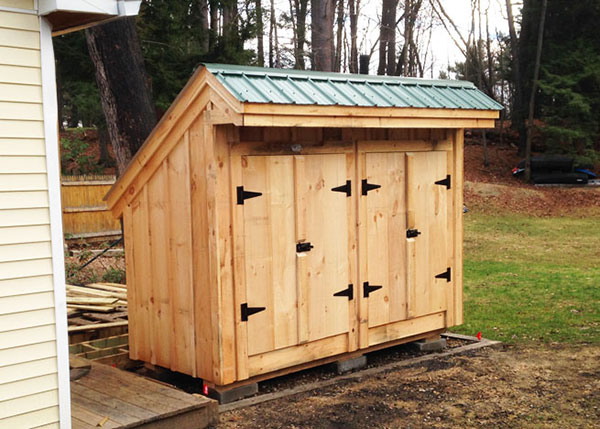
column 343, row 366
column 227, row 395
column 430, row 345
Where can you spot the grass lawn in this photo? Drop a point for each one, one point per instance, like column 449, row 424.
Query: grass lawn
column 531, row 278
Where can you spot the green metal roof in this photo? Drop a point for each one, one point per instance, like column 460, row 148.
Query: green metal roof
column 279, row 86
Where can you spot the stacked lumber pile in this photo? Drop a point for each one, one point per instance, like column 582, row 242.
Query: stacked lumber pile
column 97, row 305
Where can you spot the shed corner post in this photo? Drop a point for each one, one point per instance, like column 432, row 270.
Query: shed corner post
column 458, row 149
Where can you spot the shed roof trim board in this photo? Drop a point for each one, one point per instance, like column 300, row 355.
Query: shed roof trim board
column 278, row 86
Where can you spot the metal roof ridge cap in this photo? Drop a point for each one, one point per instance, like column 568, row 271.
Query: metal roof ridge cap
column 319, row 75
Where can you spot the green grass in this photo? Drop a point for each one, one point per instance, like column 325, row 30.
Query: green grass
column 530, row 279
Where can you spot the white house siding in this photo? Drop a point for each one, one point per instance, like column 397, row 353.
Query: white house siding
column 28, row 352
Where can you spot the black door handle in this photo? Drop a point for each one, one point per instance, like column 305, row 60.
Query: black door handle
column 305, row 246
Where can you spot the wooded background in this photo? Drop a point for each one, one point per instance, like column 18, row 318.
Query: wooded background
column 120, row 77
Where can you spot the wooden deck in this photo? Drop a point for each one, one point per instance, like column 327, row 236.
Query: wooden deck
column 112, row 398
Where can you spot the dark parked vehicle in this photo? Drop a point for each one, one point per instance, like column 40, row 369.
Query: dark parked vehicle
column 556, row 169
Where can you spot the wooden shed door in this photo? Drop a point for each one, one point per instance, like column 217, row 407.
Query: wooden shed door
column 296, row 285
column 401, row 271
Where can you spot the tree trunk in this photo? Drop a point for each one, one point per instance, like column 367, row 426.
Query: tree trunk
column 391, row 42
column 353, row 12
column 480, row 77
column 231, row 34
column 339, row 34
column 260, row 46
column 103, row 142
column 204, row 27
column 517, row 99
column 387, row 35
column 322, row 13
column 298, row 11
column 536, row 74
column 124, row 86
column 274, row 58
column 407, row 59
column 213, row 35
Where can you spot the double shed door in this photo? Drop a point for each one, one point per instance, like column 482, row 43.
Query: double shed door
column 296, row 233
column 298, row 250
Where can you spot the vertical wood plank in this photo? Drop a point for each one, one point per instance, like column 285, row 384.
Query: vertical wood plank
column 180, row 260
column 160, row 304
column 361, row 204
column 270, row 252
column 450, row 228
column 141, row 256
column 133, row 312
column 386, row 232
column 239, row 270
column 219, row 169
column 352, row 250
column 301, row 265
column 203, row 290
column 327, row 229
column 222, row 373
column 427, row 212
column 411, row 278
column 458, row 149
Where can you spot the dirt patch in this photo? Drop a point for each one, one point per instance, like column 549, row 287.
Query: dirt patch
column 517, row 386
column 493, row 188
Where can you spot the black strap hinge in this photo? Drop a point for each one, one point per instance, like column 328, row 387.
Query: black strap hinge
column 245, row 195
column 366, row 186
column 445, row 182
column 367, row 289
column 249, row 311
column 347, row 188
column 412, row 233
column 349, row 292
column 445, row 275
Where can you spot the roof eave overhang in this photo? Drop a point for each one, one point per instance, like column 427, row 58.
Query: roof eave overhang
column 71, row 15
column 270, row 114
column 202, row 88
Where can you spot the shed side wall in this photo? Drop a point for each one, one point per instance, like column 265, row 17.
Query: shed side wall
column 173, row 247
column 28, row 363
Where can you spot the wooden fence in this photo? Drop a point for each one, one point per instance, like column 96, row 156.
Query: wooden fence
column 85, row 214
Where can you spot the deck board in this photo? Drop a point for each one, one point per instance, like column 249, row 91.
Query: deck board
column 132, row 401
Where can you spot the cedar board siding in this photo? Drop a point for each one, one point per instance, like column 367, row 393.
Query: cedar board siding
column 28, row 364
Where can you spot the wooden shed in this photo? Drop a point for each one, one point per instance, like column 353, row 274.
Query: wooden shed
column 277, row 219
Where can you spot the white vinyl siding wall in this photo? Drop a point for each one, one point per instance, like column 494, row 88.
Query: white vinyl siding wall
column 28, row 363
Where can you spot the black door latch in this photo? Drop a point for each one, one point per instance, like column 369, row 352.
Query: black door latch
column 412, row 233
column 304, row 247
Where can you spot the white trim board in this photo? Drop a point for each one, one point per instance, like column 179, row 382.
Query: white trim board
column 50, row 109
column 18, row 10
column 102, row 7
